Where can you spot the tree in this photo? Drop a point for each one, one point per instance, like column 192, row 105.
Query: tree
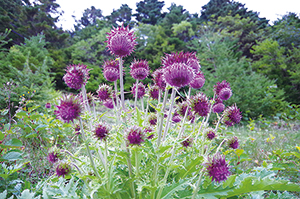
column 149, row 11
column 89, row 18
column 121, row 16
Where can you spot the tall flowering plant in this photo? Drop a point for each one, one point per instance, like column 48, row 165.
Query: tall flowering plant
column 173, row 152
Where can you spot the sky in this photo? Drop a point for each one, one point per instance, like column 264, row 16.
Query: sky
column 270, row 9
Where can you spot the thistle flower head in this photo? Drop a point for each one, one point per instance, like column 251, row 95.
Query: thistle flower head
column 182, row 107
column 217, row 168
column 198, row 81
column 76, row 76
column 77, row 129
column 101, row 131
column 152, row 119
column 111, row 64
column 141, row 90
column 210, row 134
column 48, row 105
column 111, row 70
column 190, row 59
column 232, row 115
column 104, row 92
column 178, row 75
column 176, row 117
column 121, row 41
column 135, row 135
column 54, row 155
column 139, row 69
column 233, row 142
column 108, row 103
column 218, row 108
column 187, row 142
column 90, row 98
column 148, row 131
column 225, row 93
column 63, row 169
column 220, row 86
column 69, row 108
column 154, row 92
column 158, row 79
column 200, row 104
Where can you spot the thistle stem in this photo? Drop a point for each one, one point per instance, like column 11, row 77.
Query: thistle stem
column 137, row 161
column 170, row 113
column 161, row 117
column 198, row 184
column 88, row 149
column 136, row 92
column 199, row 129
column 121, row 83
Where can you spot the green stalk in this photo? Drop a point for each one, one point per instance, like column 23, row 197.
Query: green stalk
column 170, row 114
column 161, row 117
column 87, row 106
column 121, row 83
column 136, row 92
column 88, row 150
column 199, row 129
column 106, row 164
column 137, row 162
column 130, row 172
column 198, row 185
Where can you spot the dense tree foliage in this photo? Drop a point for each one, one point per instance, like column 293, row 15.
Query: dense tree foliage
column 259, row 60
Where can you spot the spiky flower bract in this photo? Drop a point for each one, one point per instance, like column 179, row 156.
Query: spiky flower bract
column 111, row 70
column 149, row 130
column 225, row 94
column 152, row 119
column 89, row 97
column 190, row 59
column 232, row 115
column 154, row 92
column 108, row 103
column 139, row 69
column 187, row 142
column 76, row 76
column 218, row 107
column 198, row 81
column 178, row 75
column 63, row 169
column 101, row 131
column 121, row 41
column 182, row 109
column 158, row 79
column 104, row 92
column 200, row 104
column 141, row 90
column 233, row 142
column 69, row 108
column 135, row 135
column 217, row 168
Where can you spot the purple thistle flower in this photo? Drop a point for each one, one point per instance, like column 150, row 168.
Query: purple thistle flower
column 77, row 129
column 48, row 105
column 225, row 93
column 89, row 96
column 218, row 108
column 217, row 168
column 198, row 81
column 210, row 135
column 108, row 103
column 190, row 59
column 63, row 169
column 135, row 136
column 141, row 90
column 149, row 130
column 232, row 115
column 121, row 41
column 158, row 79
column 139, row 69
column 178, row 75
column 52, row 157
column 233, row 142
column 152, row 119
column 150, row 137
column 220, row 86
column 187, row 142
column 104, row 92
column 154, row 92
column 101, row 131
column 182, row 109
column 111, row 74
column 176, row 117
column 69, row 109
column 76, row 76
column 200, row 104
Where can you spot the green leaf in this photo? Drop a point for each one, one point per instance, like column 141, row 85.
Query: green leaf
column 4, row 112
column 138, row 117
column 3, row 194
column 168, row 191
column 11, row 156
column 13, row 143
column 1, row 135
column 21, row 114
